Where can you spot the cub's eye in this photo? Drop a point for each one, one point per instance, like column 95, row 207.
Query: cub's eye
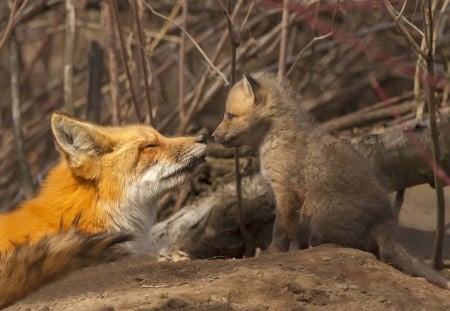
column 229, row 116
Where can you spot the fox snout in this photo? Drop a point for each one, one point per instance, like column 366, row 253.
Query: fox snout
column 201, row 139
column 201, row 143
column 223, row 137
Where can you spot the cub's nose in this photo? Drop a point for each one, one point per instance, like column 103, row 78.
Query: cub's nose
column 201, row 139
column 216, row 136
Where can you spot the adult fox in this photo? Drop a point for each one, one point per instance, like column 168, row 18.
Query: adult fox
column 325, row 191
column 96, row 196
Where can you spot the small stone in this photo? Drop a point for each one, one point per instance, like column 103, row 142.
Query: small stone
column 343, row 287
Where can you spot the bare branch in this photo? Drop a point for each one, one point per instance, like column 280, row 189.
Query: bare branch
column 314, row 40
column 408, row 36
column 405, row 20
column 421, row 63
column 143, row 61
column 199, row 90
column 445, row 95
column 283, row 40
column 221, row 75
column 112, row 62
column 12, row 20
column 181, row 64
column 69, row 45
column 431, row 103
column 113, row 5
column 402, row 10
column 234, row 42
column 162, row 33
column 95, row 79
column 439, row 20
column 244, row 22
column 364, row 117
column 25, row 172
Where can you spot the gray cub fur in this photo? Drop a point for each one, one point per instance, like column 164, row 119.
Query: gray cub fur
column 325, row 191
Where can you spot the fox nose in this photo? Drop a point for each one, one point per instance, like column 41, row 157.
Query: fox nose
column 201, row 139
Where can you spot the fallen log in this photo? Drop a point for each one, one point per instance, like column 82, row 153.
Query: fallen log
column 399, row 154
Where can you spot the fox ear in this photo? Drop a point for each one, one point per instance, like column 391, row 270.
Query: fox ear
column 76, row 139
column 250, row 84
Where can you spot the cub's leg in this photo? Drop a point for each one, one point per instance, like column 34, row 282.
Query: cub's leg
column 302, row 235
column 285, row 228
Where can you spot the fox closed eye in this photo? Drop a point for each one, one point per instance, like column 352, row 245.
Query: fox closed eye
column 150, row 145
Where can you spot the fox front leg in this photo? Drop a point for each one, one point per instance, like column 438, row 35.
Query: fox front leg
column 286, row 221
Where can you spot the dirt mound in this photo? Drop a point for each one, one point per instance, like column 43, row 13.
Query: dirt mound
column 321, row 278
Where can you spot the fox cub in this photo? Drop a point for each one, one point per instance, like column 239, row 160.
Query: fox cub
column 325, row 191
column 101, row 190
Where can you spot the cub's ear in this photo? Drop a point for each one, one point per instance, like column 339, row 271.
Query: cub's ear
column 250, row 84
column 77, row 140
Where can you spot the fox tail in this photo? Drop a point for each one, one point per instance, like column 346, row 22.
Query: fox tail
column 392, row 252
column 29, row 266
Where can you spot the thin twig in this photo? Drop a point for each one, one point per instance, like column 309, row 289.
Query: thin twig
column 43, row 47
column 315, row 39
column 249, row 11
column 183, row 194
column 200, row 86
column 283, row 40
column 95, row 79
column 249, row 50
column 181, row 64
column 431, row 102
column 12, row 20
column 402, row 10
column 114, row 85
column 221, row 75
column 163, row 31
column 439, row 20
column 421, row 63
column 123, row 53
column 365, row 117
column 142, row 59
column 25, row 172
column 445, row 93
column 69, row 45
column 401, row 18
column 418, row 95
column 234, row 42
column 408, row 36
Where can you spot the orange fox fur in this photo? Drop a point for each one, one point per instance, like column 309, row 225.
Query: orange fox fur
column 106, row 181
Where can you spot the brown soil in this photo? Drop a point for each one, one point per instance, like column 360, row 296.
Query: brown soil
column 322, row 278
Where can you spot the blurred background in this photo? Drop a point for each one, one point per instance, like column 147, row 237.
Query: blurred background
column 354, row 67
